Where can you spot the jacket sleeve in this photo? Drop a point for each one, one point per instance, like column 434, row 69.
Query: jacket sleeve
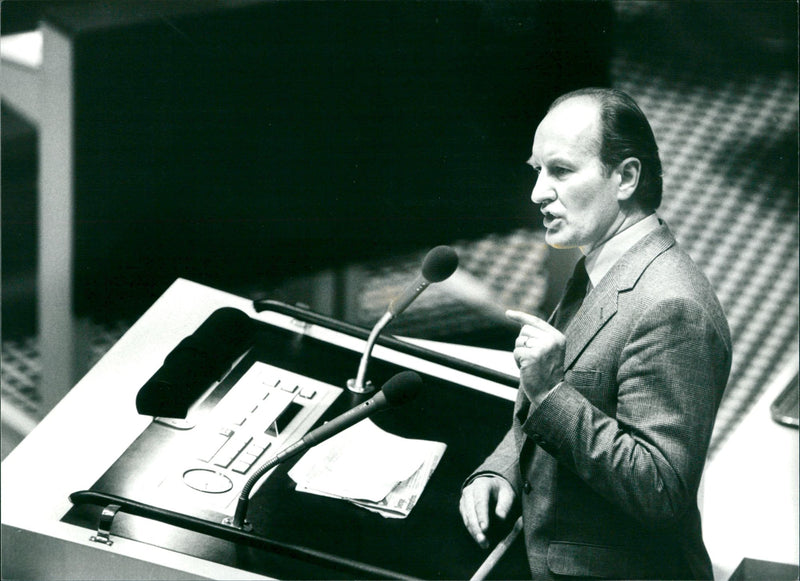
column 648, row 458
column 504, row 462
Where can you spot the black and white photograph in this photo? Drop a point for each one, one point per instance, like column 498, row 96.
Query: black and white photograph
column 400, row 289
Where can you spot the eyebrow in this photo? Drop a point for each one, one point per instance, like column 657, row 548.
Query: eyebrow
column 558, row 160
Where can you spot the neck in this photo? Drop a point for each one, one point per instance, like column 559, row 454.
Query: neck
column 624, row 220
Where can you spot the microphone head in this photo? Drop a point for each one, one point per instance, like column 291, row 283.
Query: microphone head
column 402, row 388
column 439, row 263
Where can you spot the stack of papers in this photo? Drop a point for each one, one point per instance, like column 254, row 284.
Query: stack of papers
column 369, row 467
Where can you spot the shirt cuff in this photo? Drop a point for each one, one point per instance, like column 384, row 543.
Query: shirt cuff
column 486, row 473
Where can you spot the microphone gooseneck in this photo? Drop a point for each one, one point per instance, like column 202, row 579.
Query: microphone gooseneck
column 400, row 389
column 439, row 264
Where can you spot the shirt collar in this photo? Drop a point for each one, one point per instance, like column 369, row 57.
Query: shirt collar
column 600, row 260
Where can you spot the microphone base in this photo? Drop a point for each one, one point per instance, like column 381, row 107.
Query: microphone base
column 246, row 525
column 367, row 387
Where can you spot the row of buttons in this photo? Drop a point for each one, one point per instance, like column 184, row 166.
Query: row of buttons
column 249, row 418
column 306, row 392
column 225, row 446
column 240, row 419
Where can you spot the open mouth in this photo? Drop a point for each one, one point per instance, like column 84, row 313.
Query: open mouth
column 549, row 219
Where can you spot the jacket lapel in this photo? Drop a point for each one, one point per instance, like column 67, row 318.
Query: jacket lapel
column 600, row 305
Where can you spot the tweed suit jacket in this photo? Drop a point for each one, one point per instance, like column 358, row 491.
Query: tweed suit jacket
column 608, row 466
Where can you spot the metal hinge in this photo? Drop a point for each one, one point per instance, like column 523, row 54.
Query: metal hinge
column 104, row 525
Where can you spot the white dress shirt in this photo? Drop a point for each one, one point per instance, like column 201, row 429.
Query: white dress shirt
column 600, row 260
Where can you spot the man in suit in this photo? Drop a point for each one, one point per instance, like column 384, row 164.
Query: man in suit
column 618, row 394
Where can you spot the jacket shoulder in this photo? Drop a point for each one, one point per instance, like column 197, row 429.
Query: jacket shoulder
column 673, row 277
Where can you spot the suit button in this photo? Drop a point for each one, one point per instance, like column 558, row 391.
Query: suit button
column 526, row 487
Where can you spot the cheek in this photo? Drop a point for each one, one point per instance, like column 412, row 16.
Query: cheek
column 588, row 212
column 578, row 201
column 590, row 201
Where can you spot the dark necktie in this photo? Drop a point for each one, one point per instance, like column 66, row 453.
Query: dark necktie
column 574, row 294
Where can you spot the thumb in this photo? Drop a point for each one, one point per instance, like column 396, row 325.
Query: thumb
column 505, row 500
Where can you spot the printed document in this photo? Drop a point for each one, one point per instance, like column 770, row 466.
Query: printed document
column 369, row 467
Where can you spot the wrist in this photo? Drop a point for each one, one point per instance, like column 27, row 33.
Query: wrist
column 542, row 395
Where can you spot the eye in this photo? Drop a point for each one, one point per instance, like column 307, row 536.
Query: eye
column 531, row 174
column 532, row 170
column 559, row 171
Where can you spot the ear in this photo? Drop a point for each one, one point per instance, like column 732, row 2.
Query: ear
column 629, row 171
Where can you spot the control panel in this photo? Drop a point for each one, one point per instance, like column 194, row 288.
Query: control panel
column 267, row 409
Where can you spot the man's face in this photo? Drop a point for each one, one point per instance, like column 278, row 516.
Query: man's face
column 578, row 200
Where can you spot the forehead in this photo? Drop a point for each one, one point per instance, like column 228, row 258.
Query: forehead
column 571, row 130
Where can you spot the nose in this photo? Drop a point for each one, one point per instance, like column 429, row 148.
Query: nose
column 543, row 190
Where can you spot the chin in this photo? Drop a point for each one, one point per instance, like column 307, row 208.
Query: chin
column 559, row 242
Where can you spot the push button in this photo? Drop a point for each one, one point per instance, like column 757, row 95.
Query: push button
column 526, row 487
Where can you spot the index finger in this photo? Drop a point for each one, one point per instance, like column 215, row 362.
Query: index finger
column 475, row 514
column 525, row 318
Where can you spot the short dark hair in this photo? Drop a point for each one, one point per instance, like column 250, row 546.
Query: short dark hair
column 625, row 132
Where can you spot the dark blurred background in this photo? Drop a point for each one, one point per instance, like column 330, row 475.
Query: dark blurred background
column 239, row 143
